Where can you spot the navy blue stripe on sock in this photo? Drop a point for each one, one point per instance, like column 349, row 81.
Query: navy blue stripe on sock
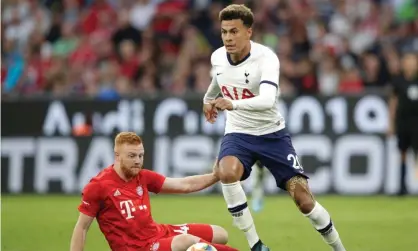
column 326, row 229
column 238, row 208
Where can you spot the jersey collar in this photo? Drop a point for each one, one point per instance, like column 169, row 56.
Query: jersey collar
column 228, row 56
column 239, row 62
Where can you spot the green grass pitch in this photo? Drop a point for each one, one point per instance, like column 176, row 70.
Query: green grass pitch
column 45, row 223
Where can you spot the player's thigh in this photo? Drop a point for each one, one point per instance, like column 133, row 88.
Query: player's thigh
column 173, row 243
column 210, row 233
column 235, row 156
column 280, row 158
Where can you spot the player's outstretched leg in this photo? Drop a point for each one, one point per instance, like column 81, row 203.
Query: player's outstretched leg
column 210, row 233
column 184, row 241
column 299, row 190
column 219, row 235
column 258, row 190
column 230, row 173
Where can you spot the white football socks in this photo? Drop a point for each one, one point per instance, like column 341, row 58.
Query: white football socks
column 321, row 221
column 237, row 205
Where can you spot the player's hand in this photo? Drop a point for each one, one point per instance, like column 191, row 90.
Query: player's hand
column 216, row 168
column 222, row 104
column 211, row 113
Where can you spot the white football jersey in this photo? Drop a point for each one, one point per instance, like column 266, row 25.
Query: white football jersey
column 241, row 81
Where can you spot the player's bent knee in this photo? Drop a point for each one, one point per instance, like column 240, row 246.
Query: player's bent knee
column 220, row 235
column 298, row 188
column 230, row 169
column 304, row 201
column 183, row 241
column 306, row 206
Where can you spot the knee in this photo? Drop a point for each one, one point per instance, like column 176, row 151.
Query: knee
column 306, row 206
column 230, row 169
column 304, row 202
column 183, row 242
column 220, row 235
column 299, row 190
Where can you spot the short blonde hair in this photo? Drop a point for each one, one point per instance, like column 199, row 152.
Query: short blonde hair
column 127, row 138
column 237, row 11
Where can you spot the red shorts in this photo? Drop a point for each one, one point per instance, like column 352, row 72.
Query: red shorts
column 204, row 231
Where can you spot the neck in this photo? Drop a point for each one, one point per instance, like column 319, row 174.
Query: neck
column 240, row 56
column 118, row 170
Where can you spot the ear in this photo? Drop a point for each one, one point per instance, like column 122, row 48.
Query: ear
column 249, row 32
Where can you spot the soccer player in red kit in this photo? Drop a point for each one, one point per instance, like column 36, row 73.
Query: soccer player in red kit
column 118, row 197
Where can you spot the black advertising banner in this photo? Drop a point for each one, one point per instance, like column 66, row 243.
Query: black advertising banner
column 340, row 140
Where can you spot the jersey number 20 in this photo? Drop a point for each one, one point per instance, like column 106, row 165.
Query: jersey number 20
column 234, row 95
column 296, row 164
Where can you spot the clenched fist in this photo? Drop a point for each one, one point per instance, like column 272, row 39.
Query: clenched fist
column 211, row 113
column 222, row 104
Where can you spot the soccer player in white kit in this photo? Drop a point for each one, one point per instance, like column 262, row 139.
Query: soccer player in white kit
column 247, row 75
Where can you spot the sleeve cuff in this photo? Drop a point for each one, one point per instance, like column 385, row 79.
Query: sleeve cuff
column 160, row 186
column 83, row 211
column 269, row 82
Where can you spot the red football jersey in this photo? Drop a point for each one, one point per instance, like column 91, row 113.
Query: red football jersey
column 123, row 209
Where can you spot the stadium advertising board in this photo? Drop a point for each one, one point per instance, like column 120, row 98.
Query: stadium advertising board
column 340, row 140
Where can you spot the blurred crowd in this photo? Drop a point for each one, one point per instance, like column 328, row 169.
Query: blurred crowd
column 109, row 48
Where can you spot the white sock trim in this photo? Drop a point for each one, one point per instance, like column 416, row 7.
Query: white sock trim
column 319, row 217
column 317, row 205
column 231, row 184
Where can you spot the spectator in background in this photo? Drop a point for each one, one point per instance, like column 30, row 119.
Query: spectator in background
column 328, row 76
column 96, row 16
column 374, row 72
column 125, row 31
column 68, row 41
column 13, row 64
column 128, row 59
column 325, row 47
column 108, row 74
column 142, row 13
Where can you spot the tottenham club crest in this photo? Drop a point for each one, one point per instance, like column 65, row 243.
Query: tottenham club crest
column 139, row 190
column 246, row 74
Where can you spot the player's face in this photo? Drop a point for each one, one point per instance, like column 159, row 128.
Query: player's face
column 131, row 159
column 235, row 35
